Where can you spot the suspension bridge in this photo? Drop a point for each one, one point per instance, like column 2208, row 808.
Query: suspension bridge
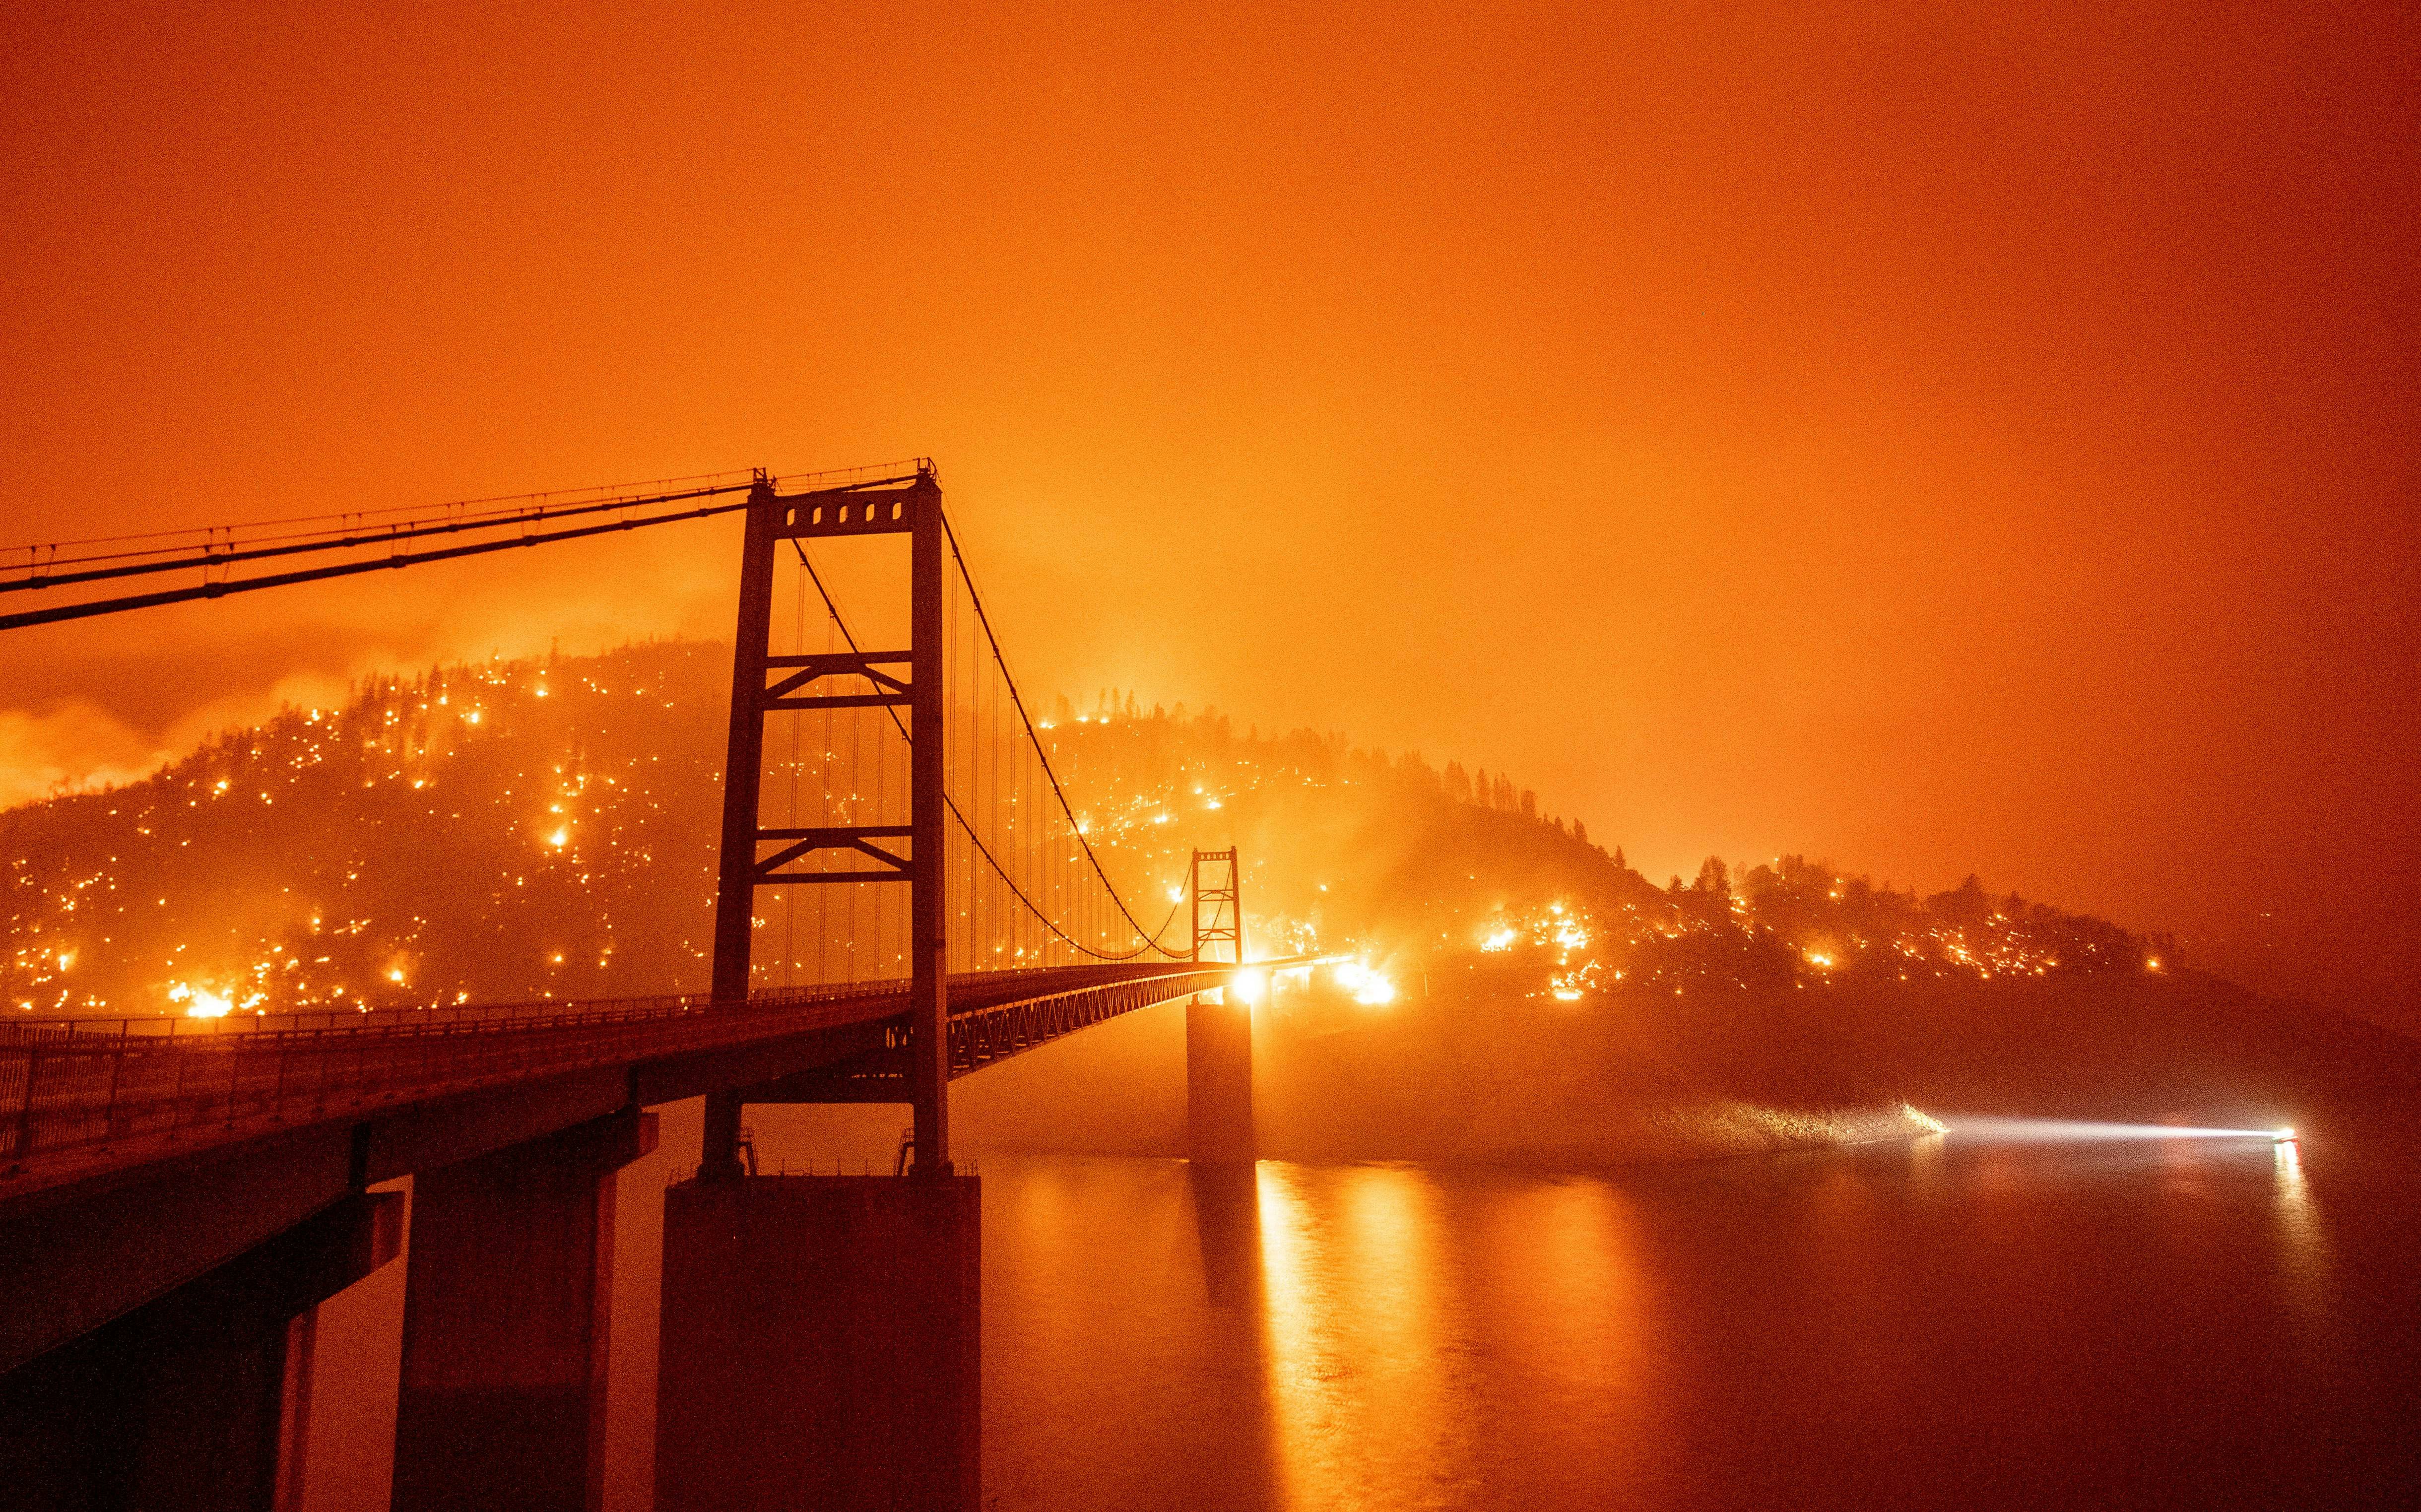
column 906, row 894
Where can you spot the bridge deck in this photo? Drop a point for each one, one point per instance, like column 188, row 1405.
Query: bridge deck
column 81, row 1097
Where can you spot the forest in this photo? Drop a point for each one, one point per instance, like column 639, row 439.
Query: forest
column 546, row 829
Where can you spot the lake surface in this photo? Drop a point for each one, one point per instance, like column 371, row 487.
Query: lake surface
column 1957, row 1323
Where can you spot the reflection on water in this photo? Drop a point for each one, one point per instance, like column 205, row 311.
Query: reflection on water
column 1369, row 1370
column 1932, row 1324
column 2302, row 1240
column 1925, row 1162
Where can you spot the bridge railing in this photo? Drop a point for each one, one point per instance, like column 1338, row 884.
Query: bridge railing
column 61, row 1090
column 529, row 1010
column 84, row 1083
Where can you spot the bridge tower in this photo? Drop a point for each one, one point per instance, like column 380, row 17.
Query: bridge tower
column 755, row 857
column 819, row 1335
column 1210, row 881
column 1219, row 1035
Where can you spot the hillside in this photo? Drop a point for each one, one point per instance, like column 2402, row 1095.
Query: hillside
column 509, row 830
column 538, row 829
column 546, row 828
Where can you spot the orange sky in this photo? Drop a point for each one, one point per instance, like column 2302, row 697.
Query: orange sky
column 1936, row 438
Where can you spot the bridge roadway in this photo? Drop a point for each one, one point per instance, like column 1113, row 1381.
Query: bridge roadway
column 138, row 1154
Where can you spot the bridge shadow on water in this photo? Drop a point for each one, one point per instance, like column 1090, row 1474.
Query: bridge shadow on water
column 1227, row 1222
column 1126, row 1336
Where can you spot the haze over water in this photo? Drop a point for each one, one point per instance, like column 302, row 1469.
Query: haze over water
column 1949, row 1324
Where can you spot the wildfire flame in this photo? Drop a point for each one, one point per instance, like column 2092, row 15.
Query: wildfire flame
column 1369, row 987
column 200, row 1001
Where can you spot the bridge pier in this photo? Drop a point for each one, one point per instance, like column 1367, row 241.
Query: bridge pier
column 1219, row 1078
column 506, row 1292
column 819, row 1344
column 195, row 1402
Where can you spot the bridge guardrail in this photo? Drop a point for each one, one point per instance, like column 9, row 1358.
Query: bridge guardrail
column 71, row 1084
column 171, row 1026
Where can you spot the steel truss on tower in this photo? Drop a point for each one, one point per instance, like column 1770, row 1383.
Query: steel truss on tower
column 1212, row 880
column 764, row 684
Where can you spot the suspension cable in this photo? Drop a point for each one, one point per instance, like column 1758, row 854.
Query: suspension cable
column 1151, row 940
column 104, row 558
column 137, row 563
column 279, row 580
column 1035, row 739
column 138, row 560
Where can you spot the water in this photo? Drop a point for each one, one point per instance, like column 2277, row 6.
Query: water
column 1951, row 1324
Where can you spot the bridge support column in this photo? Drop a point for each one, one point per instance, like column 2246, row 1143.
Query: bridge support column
column 1219, row 1080
column 196, row 1400
column 819, row 1344
column 505, row 1300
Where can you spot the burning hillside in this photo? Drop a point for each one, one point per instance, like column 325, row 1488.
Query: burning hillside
column 546, row 829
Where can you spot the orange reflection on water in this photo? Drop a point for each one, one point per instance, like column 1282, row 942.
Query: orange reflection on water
column 1926, row 1167
column 1303, row 1359
column 1399, row 1338
column 1580, row 1342
column 2303, row 1254
column 1363, row 1365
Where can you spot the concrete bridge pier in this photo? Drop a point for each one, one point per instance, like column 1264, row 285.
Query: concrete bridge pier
column 819, row 1344
column 507, row 1290
column 196, row 1400
column 1219, row 1078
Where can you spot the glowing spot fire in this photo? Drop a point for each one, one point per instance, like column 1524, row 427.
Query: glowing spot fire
column 1368, row 988
column 200, row 1001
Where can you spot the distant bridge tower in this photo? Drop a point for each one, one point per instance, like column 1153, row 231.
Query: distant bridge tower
column 1219, row 1035
column 1212, row 880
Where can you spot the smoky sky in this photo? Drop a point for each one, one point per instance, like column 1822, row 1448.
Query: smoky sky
column 1935, row 438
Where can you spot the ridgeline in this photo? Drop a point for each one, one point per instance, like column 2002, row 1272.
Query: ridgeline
column 546, row 829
